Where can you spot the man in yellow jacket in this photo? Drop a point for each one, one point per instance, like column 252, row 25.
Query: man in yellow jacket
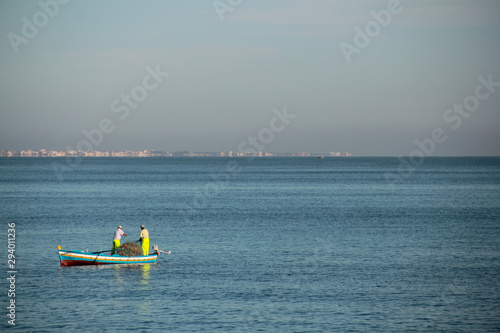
column 144, row 240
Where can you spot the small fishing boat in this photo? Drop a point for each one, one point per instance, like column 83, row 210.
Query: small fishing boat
column 78, row 258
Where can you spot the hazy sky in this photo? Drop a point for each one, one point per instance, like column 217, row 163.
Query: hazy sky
column 68, row 68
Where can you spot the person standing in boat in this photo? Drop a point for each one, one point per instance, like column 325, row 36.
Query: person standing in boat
column 116, row 239
column 144, row 240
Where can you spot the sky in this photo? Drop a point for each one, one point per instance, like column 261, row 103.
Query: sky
column 373, row 78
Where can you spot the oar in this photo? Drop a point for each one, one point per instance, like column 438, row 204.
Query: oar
column 87, row 251
column 98, row 253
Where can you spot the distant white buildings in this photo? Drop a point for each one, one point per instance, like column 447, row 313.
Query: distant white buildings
column 336, row 154
column 153, row 153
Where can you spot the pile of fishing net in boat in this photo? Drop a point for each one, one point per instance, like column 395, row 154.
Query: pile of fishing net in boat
column 130, row 249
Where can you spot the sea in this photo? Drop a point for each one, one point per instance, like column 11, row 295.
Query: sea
column 272, row 244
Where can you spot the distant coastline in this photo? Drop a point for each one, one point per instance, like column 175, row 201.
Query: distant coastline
column 157, row 153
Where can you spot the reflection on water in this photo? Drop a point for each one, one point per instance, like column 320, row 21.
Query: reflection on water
column 145, row 305
column 118, row 276
column 125, row 274
column 130, row 277
column 145, row 274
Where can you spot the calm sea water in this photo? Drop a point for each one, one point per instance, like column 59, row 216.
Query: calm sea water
column 271, row 244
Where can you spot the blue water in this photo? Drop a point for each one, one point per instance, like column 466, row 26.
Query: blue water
column 269, row 244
